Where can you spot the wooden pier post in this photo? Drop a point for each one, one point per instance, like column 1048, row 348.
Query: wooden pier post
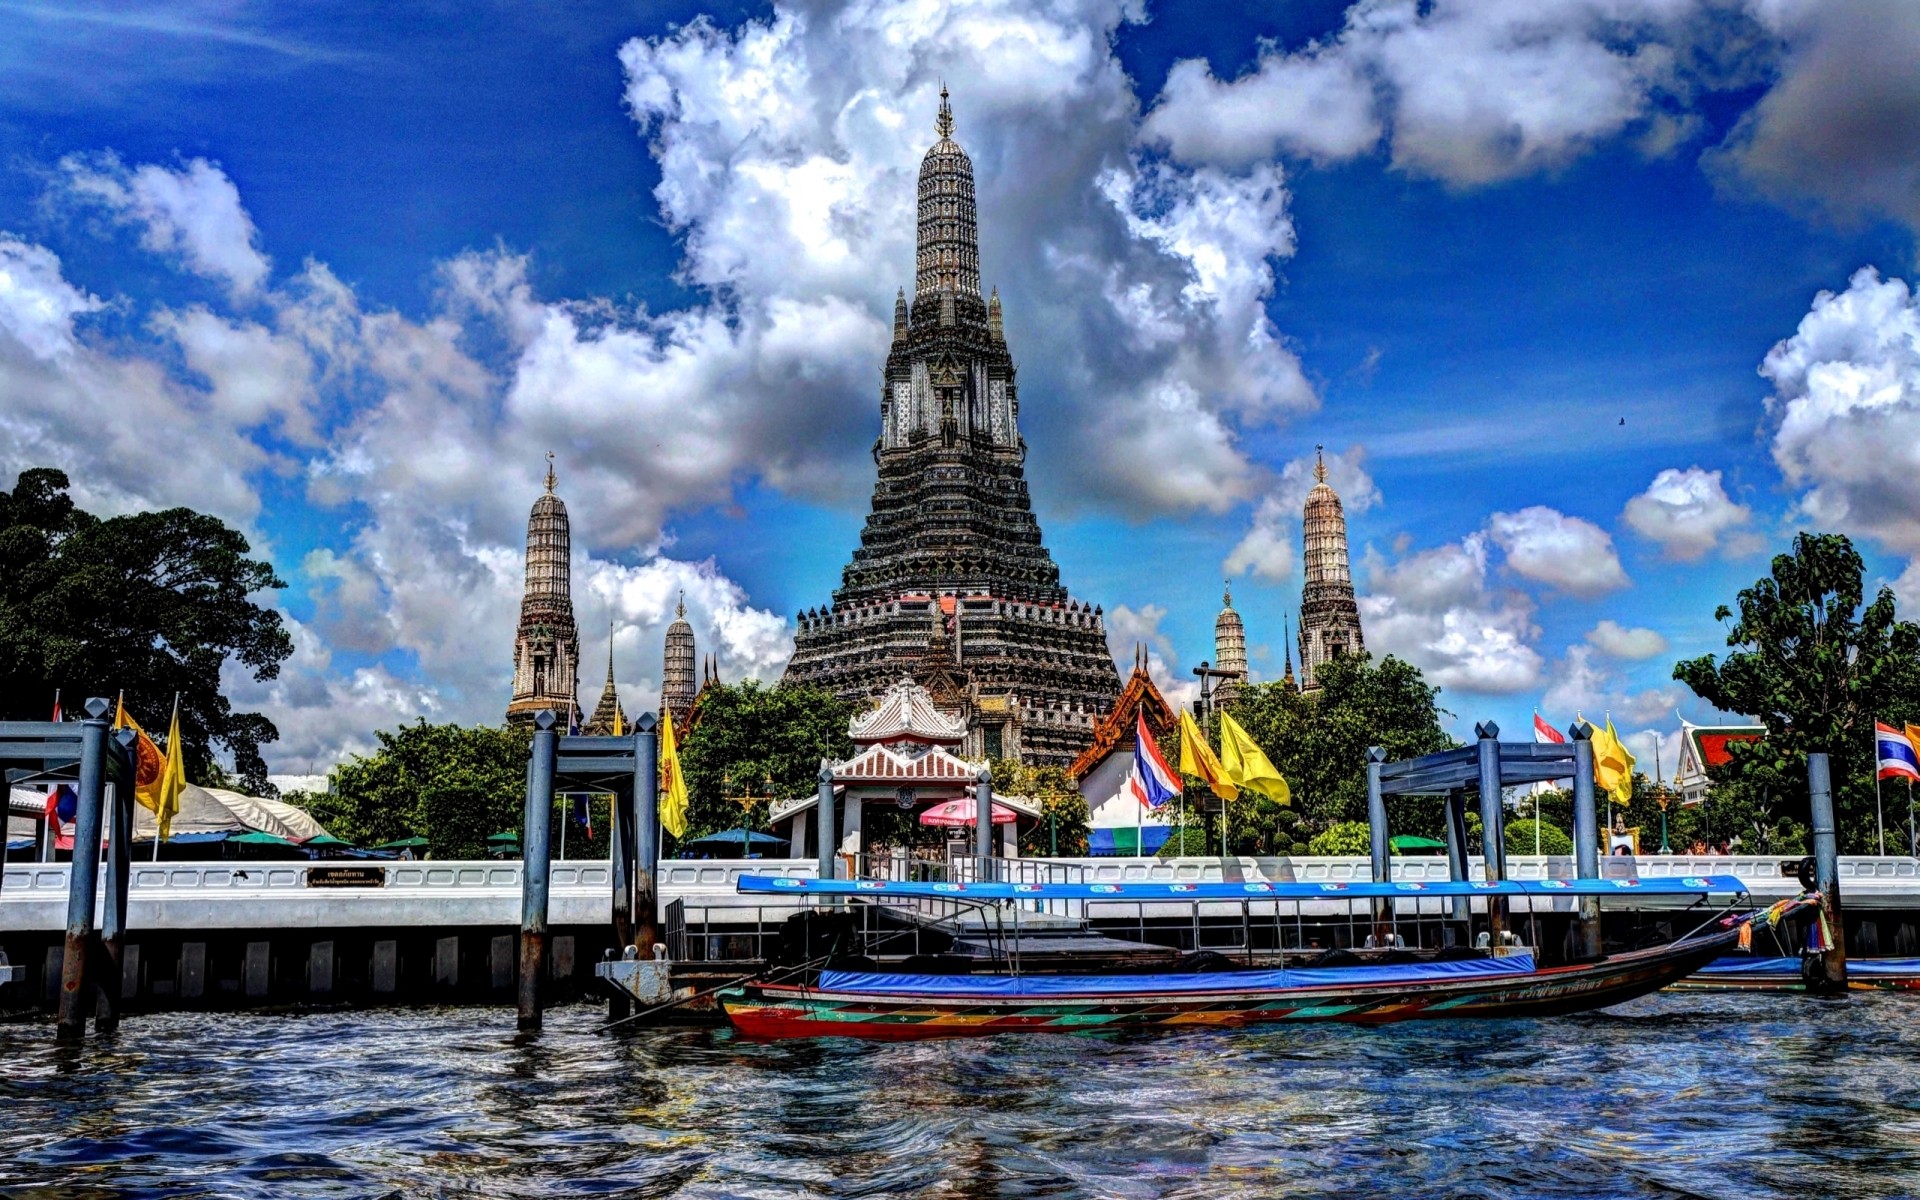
column 84, row 879
column 113, row 919
column 1377, row 842
column 646, row 833
column 1493, row 826
column 823, row 820
column 983, row 823
column 1586, row 840
column 535, row 867
column 1832, row 976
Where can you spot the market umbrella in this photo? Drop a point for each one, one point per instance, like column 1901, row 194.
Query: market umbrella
column 733, row 839
column 409, row 843
column 503, row 845
column 966, row 812
column 1408, row 841
column 253, row 837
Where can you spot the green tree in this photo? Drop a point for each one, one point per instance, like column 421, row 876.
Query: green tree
column 754, row 740
column 451, row 784
column 1063, row 810
column 1816, row 665
column 1343, row 838
column 148, row 604
column 1319, row 740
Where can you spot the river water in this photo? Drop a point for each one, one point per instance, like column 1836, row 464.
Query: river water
column 1673, row 1096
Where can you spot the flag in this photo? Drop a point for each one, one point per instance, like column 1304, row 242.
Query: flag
column 173, row 778
column 57, row 718
column 148, row 763
column 1612, row 765
column 62, row 803
column 583, row 810
column 619, row 726
column 673, row 784
column 1893, row 753
column 1197, row 760
column 1247, row 765
column 1544, row 732
column 1152, row 782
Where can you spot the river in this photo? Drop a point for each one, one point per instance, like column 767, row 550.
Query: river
column 1673, row 1096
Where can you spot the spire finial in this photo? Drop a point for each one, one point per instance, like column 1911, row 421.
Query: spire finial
column 1319, row 465
column 550, row 479
column 680, row 609
column 943, row 124
column 610, row 630
column 1229, row 596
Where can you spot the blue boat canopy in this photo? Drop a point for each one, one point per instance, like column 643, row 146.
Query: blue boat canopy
column 1690, row 885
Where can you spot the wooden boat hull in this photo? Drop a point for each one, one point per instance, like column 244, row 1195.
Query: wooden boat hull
column 1746, row 974
column 774, row 1010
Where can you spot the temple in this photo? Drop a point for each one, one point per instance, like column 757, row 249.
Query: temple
column 1329, row 617
column 608, row 717
column 676, row 669
column 951, row 583
column 546, row 647
column 1229, row 650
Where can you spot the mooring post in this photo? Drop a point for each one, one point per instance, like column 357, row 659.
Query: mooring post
column 1493, row 827
column 1377, row 840
column 646, row 833
column 113, row 918
column 823, row 821
column 1586, row 840
column 535, row 866
column 1457, row 852
column 83, row 880
column 983, row 824
column 1832, row 976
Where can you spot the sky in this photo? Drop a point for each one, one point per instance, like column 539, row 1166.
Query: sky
column 1591, row 303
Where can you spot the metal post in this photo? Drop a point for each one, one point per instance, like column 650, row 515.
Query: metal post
column 1826, row 873
column 983, row 823
column 646, row 833
column 1457, row 852
column 536, row 863
column 84, row 878
column 113, row 919
column 1377, row 831
column 823, row 820
column 1586, row 840
column 1493, row 826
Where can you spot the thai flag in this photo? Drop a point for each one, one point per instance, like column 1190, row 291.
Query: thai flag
column 1543, row 732
column 1153, row 782
column 1894, row 753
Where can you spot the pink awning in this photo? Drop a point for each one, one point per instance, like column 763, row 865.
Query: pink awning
column 966, row 812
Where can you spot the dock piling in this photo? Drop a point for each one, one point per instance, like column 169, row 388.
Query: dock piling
column 823, row 820
column 113, row 921
column 646, row 833
column 535, row 867
column 1377, row 841
column 983, row 822
column 1832, row 976
column 1492, row 826
column 1586, row 840
column 84, row 880
column 1458, row 855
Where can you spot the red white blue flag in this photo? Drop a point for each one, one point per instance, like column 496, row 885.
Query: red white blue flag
column 1153, row 782
column 1894, row 753
column 1545, row 732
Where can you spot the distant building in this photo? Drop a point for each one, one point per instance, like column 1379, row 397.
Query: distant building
column 1229, row 651
column 607, row 715
column 1703, row 747
column 1103, row 768
column 1329, row 616
column 546, row 648
column 676, row 669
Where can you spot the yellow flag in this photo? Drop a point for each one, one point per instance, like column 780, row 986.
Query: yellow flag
column 619, row 726
column 673, row 784
column 1612, row 765
column 1197, row 760
column 173, row 779
column 1913, row 735
column 1248, row 765
column 148, row 763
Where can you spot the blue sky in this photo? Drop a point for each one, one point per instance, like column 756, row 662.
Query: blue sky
column 343, row 278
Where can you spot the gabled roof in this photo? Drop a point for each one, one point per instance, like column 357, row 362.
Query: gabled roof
column 1705, row 746
column 882, row 763
column 906, row 713
column 1116, row 728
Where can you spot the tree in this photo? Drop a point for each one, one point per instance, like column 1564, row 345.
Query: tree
column 1816, row 668
column 148, row 604
column 1063, row 810
column 1319, row 741
column 754, row 740
column 1343, row 839
column 451, row 784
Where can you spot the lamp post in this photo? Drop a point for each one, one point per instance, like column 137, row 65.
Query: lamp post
column 1208, row 673
column 1661, row 798
column 746, row 800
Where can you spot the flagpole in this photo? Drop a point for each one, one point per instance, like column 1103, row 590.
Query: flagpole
column 1879, row 811
column 172, row 725
column 1913, row 837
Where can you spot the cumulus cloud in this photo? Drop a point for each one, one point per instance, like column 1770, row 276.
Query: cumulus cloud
column 1581, row 688
column 1616, row 640
column 1438, row 610
column 1566, row 552
column 1845, row 410
column 1129, row 628
column 1906, row 590
column 1266, row 550
column 1688, row 513
column 192, row 213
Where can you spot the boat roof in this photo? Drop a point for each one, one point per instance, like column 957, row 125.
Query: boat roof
column 1690, row 885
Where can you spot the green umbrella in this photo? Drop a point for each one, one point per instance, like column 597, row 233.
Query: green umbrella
column 410, row 843
column 253, row 837
column 1407, row 841
column 325, row 839
column 508, row 836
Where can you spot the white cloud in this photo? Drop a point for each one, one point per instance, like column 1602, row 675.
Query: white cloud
column 1266, row 549
column 1845, row 410
column 1436, row 610
column 1688, row 513
column 1566, row 552
column 1128, row 628
column 1611, row 638
column 1580, row 688
column 1906, row 590
column 193, row 214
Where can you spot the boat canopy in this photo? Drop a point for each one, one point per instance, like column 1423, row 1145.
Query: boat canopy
column 1689, row 885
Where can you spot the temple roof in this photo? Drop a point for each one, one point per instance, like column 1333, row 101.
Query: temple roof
column 906, row 713
column 1116, row 728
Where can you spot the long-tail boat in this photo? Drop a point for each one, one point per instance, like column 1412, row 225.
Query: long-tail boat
column 1506, row 982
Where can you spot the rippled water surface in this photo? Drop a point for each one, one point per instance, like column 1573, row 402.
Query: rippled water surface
column 1736, row 1096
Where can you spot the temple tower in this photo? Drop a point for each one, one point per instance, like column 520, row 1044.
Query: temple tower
column 1229, row 649
column 546, row 649
column 608, row 717
column 951, row 582
column 676, row 669
column 1329, row 618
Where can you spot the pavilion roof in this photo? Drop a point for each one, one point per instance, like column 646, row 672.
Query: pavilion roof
column 1116, row 728
column 907, row 713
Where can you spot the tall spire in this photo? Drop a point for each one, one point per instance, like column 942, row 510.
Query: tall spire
column 676, row 667
column 948, row 256
column 900, row 315
column 1329, row 616
column 1230, row 647
column 546, row 648
column 1286, row 641
column 943, row 124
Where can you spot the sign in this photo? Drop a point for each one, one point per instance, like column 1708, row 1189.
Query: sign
column 337, row 877
column 905, row 797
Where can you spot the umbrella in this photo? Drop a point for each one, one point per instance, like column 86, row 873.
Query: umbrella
column 253, row 837
column 1408, row 841
column 966, row 812
column 409, row 843
column 502, row 838
column 735, row 837
column 325, row 839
